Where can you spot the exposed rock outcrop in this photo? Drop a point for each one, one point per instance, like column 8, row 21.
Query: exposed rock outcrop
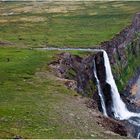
column 76, row 68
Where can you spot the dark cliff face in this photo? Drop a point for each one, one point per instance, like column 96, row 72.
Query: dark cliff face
column 123, row 51
column 101, row 73
column 73, row 67
column 124, row 55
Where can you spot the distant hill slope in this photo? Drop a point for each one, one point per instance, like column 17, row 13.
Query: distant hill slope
column 72, row 23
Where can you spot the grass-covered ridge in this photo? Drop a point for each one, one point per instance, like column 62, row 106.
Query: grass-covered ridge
column 29, row 95
column 36, row 104
column 73, row 24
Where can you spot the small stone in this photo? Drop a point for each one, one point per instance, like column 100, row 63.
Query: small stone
column 71, row 114
column 86, row 126
column 92, row 135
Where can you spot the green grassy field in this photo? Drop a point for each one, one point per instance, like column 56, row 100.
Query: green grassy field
column 29, row 95
column 73, row 24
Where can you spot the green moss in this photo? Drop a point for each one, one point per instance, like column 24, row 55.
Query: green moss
column 125, row 73
column 90, row 88
column 71, row 74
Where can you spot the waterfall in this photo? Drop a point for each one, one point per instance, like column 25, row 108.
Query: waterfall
column 138, row 137
column 118, row 107
column 100, row 90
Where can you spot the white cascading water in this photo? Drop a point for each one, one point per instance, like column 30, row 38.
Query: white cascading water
column 100, row 91
column 119, row 108
column 138, row 137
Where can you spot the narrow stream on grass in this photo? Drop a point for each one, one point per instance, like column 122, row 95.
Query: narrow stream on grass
column 118, row 107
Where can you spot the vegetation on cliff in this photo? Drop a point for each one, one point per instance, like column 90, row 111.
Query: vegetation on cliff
column 73, row 24
column 124, row 73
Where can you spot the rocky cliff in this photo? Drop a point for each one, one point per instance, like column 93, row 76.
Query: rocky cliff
column 123, row 49
column 124, row 54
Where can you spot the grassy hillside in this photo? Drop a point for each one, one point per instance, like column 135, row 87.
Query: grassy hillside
column 73, row 24
column 35, row 104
